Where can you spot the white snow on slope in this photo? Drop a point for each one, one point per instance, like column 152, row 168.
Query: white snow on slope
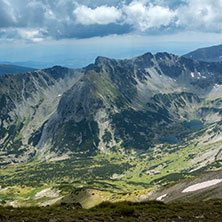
column 192, row 74
column 161, row 197
column 202, row 185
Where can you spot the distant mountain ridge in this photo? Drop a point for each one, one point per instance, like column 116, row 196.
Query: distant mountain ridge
column 13, row 69
column 208, row 54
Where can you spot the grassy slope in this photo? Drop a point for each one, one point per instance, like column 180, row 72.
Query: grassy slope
column 117, row 176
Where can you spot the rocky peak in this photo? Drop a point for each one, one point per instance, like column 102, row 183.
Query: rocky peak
column 100, row 60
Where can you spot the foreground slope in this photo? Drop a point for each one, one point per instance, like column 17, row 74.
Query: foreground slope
column 203, row 188
column 123, row 211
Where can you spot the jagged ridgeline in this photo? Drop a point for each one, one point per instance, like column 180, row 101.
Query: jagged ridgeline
column 110, row 106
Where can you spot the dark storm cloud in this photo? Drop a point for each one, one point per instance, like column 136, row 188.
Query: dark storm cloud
column 36, row 20
column 99, row 30
column 6, row 18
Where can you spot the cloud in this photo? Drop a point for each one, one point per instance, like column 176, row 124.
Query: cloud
column 202, row 15
column 145, row 17
column 7, row 17
column 33, row 20
column 28, row 35
column 81, row 32
column 139, row 13
column 101, row 15
column 32, row 35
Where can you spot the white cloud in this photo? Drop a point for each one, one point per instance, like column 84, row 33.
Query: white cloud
column 202, row 15
column 101, row 15
column 25, row 34
column 139, row 13
column 31, row 35
column 144, row 17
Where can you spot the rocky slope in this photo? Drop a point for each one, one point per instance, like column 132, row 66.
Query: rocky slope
column 126, row 105
column 201, row 188
column 27, row 100
column 208, row 54
column 110, row 106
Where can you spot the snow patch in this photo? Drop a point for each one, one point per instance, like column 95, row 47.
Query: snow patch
column 192, row 74
column 161, row 197
column 202, row 185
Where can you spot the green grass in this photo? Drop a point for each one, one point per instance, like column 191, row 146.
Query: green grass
column 120, row 175
column 99, row 169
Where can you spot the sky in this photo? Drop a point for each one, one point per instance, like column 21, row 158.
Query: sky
column 42, row 33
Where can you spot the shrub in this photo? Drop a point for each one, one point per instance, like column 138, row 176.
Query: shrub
column 126, row 210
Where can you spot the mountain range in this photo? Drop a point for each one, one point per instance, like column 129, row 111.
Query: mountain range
column 145, row 121
column 208, row 54
column 7, row 68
